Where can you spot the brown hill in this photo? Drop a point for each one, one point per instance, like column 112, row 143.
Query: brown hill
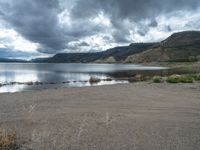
column 179, row 47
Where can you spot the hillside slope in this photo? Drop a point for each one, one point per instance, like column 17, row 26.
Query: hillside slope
column 117, row 54
column 179, row 47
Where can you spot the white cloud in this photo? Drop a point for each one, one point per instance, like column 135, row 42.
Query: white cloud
column 102, row 20
column 60, row 29
column 14, row 41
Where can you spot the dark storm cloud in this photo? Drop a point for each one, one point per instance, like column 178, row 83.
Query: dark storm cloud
column 77, row 45
column 121, row 36
column 83, row 44
column 38, row 21
column 133, row 10
column 153, row 23
column 169, row 28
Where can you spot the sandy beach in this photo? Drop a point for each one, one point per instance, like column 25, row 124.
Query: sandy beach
column 138, row 116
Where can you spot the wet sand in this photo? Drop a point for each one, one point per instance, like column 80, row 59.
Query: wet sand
column 138, row 116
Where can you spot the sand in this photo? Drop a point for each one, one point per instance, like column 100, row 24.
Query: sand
column 140, row 116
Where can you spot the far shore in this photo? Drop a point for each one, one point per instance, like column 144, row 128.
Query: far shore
column 137, row 116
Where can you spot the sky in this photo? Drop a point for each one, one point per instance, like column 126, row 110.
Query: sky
column 42, row 28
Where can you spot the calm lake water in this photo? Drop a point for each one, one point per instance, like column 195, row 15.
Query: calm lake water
column 16, row 77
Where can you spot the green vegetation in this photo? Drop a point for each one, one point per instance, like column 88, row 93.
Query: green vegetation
column 183, row 78
column 173, row 79
column 196, row 77
column 189, row 78
column 157, row 79
column 186, row 79
column 180, row 79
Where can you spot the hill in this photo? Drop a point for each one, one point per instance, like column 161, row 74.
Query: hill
column 179, row 47
column 117, row 54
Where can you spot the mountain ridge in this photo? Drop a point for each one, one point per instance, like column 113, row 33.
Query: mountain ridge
column 179, row 47
column 118, row 53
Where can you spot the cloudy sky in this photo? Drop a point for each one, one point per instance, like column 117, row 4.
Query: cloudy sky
column 40, row 28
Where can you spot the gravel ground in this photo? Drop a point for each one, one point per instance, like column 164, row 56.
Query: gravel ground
column 138, row 116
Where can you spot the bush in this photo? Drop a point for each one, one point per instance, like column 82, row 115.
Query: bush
column 173, row 79
column 180, row 79
column 186, row 79
column 196, row 77
column 157, row 79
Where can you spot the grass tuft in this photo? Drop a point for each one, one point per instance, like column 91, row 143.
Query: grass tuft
column 8, row 141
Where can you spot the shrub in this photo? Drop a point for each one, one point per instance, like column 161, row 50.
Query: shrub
column 173, row 79
column 108, row 79
column 196, row 77
column 94, row 80
column 180, row 79
column 157, row 79
column 186, row 79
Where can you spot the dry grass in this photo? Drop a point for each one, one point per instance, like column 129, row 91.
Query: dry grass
column 8, row 141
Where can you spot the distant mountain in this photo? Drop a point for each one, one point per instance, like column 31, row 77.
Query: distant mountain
column 12, row 60
column 179, row 47
column 118, row 54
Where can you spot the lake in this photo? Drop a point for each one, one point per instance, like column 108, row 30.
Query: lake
column 16, row 77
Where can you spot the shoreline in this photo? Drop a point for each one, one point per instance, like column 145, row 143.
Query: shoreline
column 129, row 83
column 95, row 81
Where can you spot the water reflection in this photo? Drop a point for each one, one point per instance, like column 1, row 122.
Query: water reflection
column 24, row 77
column 18, row 76
column 12, row 88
